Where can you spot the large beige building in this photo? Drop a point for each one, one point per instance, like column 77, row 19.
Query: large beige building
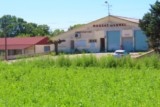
column 105, row 35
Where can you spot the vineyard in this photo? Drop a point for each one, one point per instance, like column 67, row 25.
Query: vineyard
column 84, row 81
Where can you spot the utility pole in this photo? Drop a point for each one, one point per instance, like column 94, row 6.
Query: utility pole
column 6, row 50
column 5, row 38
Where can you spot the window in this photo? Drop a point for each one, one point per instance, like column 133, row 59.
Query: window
column 2, row 52
column 46, row 48
column 15, row 52
column 92, row 40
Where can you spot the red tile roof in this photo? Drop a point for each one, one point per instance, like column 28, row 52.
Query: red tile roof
column 22, row 42
column 15, row 47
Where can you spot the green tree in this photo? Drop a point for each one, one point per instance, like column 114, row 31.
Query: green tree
column 43, row 30
column 150, row 24
column 75, row 26
column 7, row 23
column 57, row 32
column 13, row 26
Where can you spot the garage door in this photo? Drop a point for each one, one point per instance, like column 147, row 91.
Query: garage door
column 113, row 40
column 140, row 40
column 127, row 44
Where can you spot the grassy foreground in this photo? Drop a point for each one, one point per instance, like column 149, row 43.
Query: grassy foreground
column 85, row 83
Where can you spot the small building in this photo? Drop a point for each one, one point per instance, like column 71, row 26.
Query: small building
column 105, row 35
column 19, row 46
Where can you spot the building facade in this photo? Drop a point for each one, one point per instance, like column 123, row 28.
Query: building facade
column 105, row 35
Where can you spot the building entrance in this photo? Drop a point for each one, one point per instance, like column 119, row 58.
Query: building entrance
column 102, row 45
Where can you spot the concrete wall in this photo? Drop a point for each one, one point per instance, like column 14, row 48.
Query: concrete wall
column 83, row 42
column 40, row 48
column 30, row 50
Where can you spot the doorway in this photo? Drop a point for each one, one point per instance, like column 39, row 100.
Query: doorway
column 72, row 44
column 102, row 45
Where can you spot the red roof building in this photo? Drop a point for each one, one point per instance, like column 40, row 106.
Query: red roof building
column 23, row 42
column 24, row 45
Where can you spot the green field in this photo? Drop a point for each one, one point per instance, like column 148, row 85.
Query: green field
column 81, row 82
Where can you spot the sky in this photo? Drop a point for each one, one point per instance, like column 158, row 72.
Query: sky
column 60, row 14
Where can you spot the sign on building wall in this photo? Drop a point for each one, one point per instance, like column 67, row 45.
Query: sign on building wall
column 110, row 25
column 127, row 33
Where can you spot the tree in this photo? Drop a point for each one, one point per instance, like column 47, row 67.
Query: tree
column 57, row 32
column 150, row 24
column 75, row 26
column 56, row 42
column 5, row 26
column 13, row 26
column 43, row 30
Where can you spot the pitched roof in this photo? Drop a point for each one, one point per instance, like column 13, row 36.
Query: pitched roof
column 127, row 19
column 14, row 47
column 22, row 42
column 132, row 20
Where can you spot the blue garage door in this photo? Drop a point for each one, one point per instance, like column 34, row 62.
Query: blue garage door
column 140, row 40
column 127, row 44
column 113, row 40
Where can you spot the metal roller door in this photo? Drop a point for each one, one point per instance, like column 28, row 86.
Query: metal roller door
column 113, row 40
column 127, row 44
column 140, row 40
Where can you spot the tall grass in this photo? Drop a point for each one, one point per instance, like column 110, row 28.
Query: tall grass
column 93, row 61
column 84, row 61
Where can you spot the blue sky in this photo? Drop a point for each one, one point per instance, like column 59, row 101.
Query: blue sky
column 63, row 13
